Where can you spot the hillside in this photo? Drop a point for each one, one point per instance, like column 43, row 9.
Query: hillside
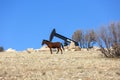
column 72, row 65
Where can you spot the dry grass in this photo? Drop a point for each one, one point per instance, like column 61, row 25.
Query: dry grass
column 78, row 65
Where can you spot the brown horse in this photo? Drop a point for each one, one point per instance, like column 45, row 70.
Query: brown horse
column 51, row 45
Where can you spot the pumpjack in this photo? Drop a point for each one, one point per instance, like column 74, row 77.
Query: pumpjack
column 66, row 40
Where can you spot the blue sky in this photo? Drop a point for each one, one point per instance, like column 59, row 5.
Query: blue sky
column 25, row 23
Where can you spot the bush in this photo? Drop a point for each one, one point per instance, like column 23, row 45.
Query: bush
column 108, row 39
column 1, row 49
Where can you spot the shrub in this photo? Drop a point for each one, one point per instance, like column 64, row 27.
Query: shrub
column 108, row 39
column 1, row 49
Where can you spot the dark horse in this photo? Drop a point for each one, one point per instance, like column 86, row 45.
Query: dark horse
column 51, row 45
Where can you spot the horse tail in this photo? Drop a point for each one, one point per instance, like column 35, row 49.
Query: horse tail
column 62, row 46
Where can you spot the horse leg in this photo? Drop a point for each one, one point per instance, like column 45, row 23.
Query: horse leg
column 57, row 50
column 61, row 50
column 51, row 50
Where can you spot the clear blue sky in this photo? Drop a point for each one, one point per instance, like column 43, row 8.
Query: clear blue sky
column 24, row 23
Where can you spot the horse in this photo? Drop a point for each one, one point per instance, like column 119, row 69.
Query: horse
column 51, row 45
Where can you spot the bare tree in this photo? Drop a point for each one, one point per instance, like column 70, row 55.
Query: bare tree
column 86, row 40
column 104, row 41
column 115, row 33
column 77, row 36
column 90, row 38
column 109, row 41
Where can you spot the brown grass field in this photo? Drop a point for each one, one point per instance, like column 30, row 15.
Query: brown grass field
column 72, row 65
